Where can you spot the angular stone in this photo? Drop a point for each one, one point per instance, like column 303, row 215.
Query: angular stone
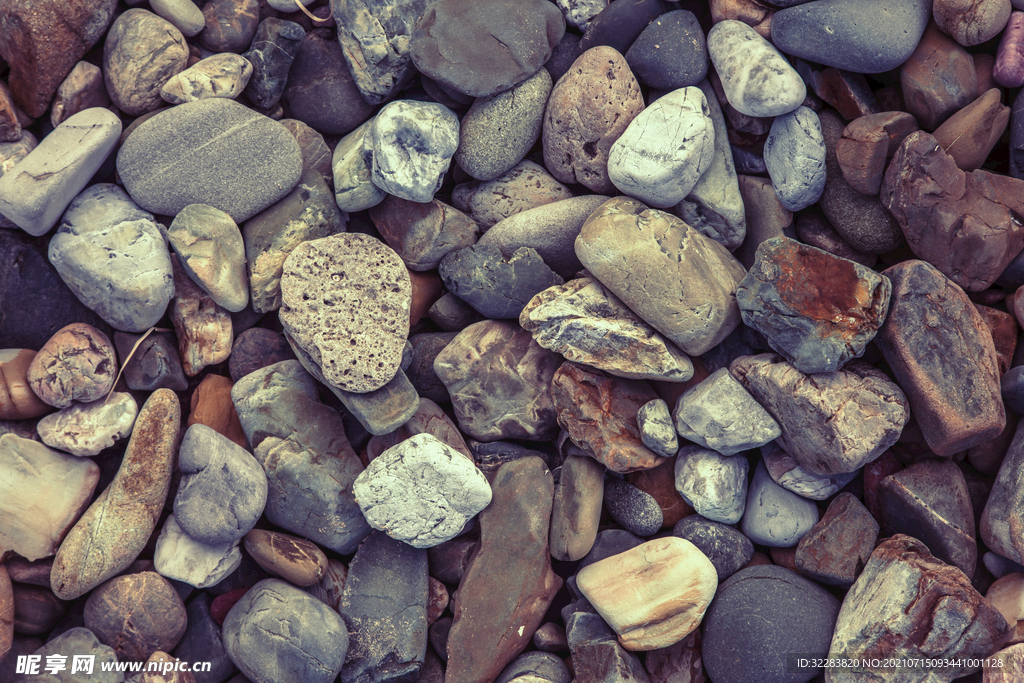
column 576, row 511
column 757, row 79
column 330, row 321
column 645, row 256
column 970, row 134
column 413, row 144
column 938, row 79
column 210, row 249
column 727, row 548
column 81, row 90
column 142, row 52
column 204, row 329
column 352, row 168
column 180, row 557
column 971, row 23
column 230, row 25
column 330, row 588
column 596, row 652
column 774, row 516
column 816, row 309
column 509, row 583
column 907, row 603
column 124, row 516
column 302, row 447
column 499, row 380
column 836, row 549
column 58, row 169
column 713, row 484
column 271, row 54
column 155, row 363
column 657, row 430
column 246, row 163
column 85, row 429
column 579, row 13
column 76, row 364
column 794, row 154
column 422, row 234
column 940, row 352
column 718, row 413
column 867, row 143
column 849, row 93
column 1002, row 522
column 380, row 411
column 497, row 287
column 43, row 493
column 822, row 416
column 279, row 632
column 136, row 614
column 296, row 560
column 526, row 186
column 787, row 473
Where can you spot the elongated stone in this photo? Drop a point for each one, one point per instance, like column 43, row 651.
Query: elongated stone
column 85, row 429
column 271, row 54
column 576, row 510
column 718, row 413
column 657, row 430
column 758, row 80
column 352, row 166
column 204, row 329
column 794, row 154
column 1002, row 521
column 221, row 75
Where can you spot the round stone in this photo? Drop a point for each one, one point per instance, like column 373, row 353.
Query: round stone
column 635, row 510
column 726, row 547
column 671, row 52
column 77, row 364
column 136, row 614
column 413, row 144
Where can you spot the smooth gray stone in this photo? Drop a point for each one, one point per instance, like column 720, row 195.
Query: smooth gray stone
column 375, row 38
column 76, row 641
column 497, row 287
column 787, row 473
column 203, row 642
column 862, row 36
column 223, row 489
column 657, row 430
column 180, row 557
column 1000, row 566
column 278, row 632
column 113, row 256
column 544, row 665
column 452, row 314
column 718, row 413
column 352, row 165
column 35, row 193
column 608, row 543
column 726, row 547
column 794, row 155
column 210, row 249
column 302, row 447
column 413, row 144
column 774, row 516
column 715, row 205
column 665, row 149
column 213, row 151
column 498, row 131
column 635, row 510
column 271, row 54
column 757, row 79
column 713, row 484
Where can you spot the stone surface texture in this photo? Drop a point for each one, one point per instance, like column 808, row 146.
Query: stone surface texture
column 85, row 429
column 413, row 144
column 143, row 51
column 757, row 79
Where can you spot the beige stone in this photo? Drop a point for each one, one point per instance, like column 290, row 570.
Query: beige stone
column 294, row 559
column 212, row 406
column 1007, row 596
column 204, row 328
column 17, row 400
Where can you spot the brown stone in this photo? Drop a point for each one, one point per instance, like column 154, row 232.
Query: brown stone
column 660, row 483
column 316, row 155
column 784, row 557
column 589, row 108
column 331, row 586
column 82, row 89
column 550, row 637
column 987, row 457
column 142, row 52
column 426, row 289
column 527, row 186
column 599, row 413
column 428, row 419
column 35, row 572
column 1004, row 334
column 78, row 363
column 6, row 613
column 964, row 223
column 576, row 512
column 971, row 22
column 509, row 583
column 866, row 145
column 970, row 134
column 836, row 549
column 164, row 670
column 42, row 40
column 984, row 63
column 1002, row 521
column 257, row 348
column 437, row 599
column 17, row 400
column 36, row 609
column 10, row 126
column 230, row 25
column 203, row 328
column 846, row 92
column 873, row 473
column 449, row 560
column 212, row 406
column 942, row 355
column 155, row 363
column 136, row 614
column 818, row 232
column 766, row 217
column 423, row 233
column 938, row 78
column 292, row 558
column 750, row 12
column 1004, row 666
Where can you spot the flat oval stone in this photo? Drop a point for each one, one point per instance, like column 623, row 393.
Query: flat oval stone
column 294, row 559
column 757, row 79
column 184, row 14
column 136, row 614
column 774, row 516
column 576, row 512
column 794, row 155
column 713, row 484
column 633, row 509
column 527, row 186
column 221, row 75
column 413, row 144
column 85, row 429
column 180, row 557
column 216, row 152
column 76, row 364
column 141, row 53
column 356, row 343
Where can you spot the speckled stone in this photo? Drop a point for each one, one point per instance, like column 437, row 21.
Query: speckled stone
column 635, row 510
column 526, row 186
column 727, row 548
column 670, row 53
column 757, row 79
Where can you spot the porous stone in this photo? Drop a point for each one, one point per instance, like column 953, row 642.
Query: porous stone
column 44, row 493
column 136, row 614
column 953, row 387
column 836, row 549
column 85, row 429
column 271, row 54
column 352, row 168
column 794, row 155
column 712, row 484
column 230, row 24
column 320, row 90
column 214, row 151
column 210, row 249
column 49, row 177
column 757, row 79
column 867, row 142
column 81, row 90
column 774, row 516
column 665, row 149
column 422, row 234
column 526, row 186
column 971, row 23
column 142, row 52
column 1001, row 519
column 480, row 48
column 590, row 107
column 718, row 413
column 183, row 14
column 727, row 548
column 124, row 516
column 670, row 53
column 155, row 363
column 76, row 364
column 497, row 287
column 296, row 560
column 634, row 510
column 576, row 511
column 421, row 491
column 938, row 79
column 816, row 309
column 325, row 311
column 280, row 632
column 499, row 380
column 180, row 557
column 204, row 329
column 657, row 430
column 680, row 282
column 787, row 472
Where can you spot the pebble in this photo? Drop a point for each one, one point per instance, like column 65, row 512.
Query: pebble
column 718, row 413
column 760, row 612
column 786, row 471
column 421, row 491
column 499, row 381
column 352, row 169
column 320, row 90
column 954, row 393
column 296, row 560
column 498, row 131
column 866, row 36
column 141, row 54
column 155, row 363
column 136, row 614
column 818, row 310
column 635, row 510
column 79, row 641
column 727, row 548
column 794, row 155
column 938, row 79
column 78, row 363
column 82, row 89
column 867, row 143
column 526, row 186
column 578, row 13
column 822, row 415
column 497, row 287
column 222, row 75
column 124, row 516
column 849, row 93
column 183, row 14
column 643, row 254
column 36, row 610
column 970, row 134
column 670, row 53
column 738, row 52
column 44, row 493
column 85, row 429
column 330, row 588
column 1002, row 513
column 596, row 653
column 380, row 411
column 532, row 666
column 714, row 485
column 971, row 23
column 617, row 26
column 257, row 348
column 349, row 358
column 657, row 430
column 766, row 217
column 426, row 347
column 423, row 233
column 584, row 117
column 271, row 54
column 836, row 549
column 210, row 249
column 204, row 329
column 482, row 47
column 279, row 632
column 413, row 144
column 576, row 512
column 17, row 399
column 248, row 161
column 230, row 24
column 52, row 174
column 1008, row 69
column 180, row 557
column 1005, row 595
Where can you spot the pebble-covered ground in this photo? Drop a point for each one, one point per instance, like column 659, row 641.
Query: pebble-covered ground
column 512, row 340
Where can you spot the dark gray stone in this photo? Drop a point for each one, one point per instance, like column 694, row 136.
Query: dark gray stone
column 726, row 547
column 1012, row 385
column 271, row 54
column 495, row 286
column 452, row 314
column 565, row 52
column 748, row 162
column 257, row 348
column 670, row 53
column 425, row 348
column 608, row 543
column 1017, row 137
column 202, row 642
column 384, row 606
column 621, row 23
column 155, row 363
column 538, row 664
column 596, row 653
column 637, row 511
column 794, row 155
column 437, row 634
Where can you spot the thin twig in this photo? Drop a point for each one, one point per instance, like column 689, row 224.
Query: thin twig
column 298, row 3
column 131, row 353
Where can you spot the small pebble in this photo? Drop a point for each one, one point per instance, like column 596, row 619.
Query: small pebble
column 713, row 484
column 637, row 511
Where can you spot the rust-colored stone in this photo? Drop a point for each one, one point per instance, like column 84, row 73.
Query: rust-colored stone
column 866, row 144
column 970, row 134
column 437, row 599
column 212, row 406
column 426, row 289
column 292, row 558
column 750, row 12
column 836, row 549
column 847, row 92
column 222, row 604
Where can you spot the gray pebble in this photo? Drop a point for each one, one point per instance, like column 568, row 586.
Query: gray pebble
column 774, row 516
column 413, row 144
column 726, row 547
column 794, row 155
column 495, row 286
column 720, row 414
column 713, row 484
column 657, row 430
column 635, row 510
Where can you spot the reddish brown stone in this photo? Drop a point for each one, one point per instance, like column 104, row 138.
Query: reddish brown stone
column 984, row 63
column 422, row 234
column 222, row 604
column 874, row 472
column 938, row 79
column 449, row 560
column 866, row 144
column 35, row 572
column 962, row 223
column 987, row 457
column 942, row 355
column 784, row 557
column 836, row 549
column 1004, row 334
column 970, row 134
column 426, row 289
column 212, row 406
column 750, row 12
column 848, row 93
column 437, row 599
column 660, row 482
column 36, row 609
column 10, row 126
column 599, row 413
column 136, row 614
column 765, row 214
